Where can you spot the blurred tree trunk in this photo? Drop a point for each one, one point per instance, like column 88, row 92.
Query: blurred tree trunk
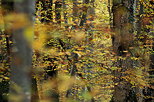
column 122, row 40
column 20, row 81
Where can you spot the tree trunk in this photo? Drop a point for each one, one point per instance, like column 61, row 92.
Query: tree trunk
column 65, row 13
column 151, row 72
column 122, row 39
column 138, row 26
column 34, row 96
column 58, row 5
column 20, row 81
column 84, row 14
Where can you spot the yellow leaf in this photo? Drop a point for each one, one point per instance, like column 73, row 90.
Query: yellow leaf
column 29, row 34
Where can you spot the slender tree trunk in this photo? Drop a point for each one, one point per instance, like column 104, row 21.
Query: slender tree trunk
column 20, row 81
column 84, row 14
column 138, row 27
column 64, row 3
column 34, row 96
column 75, row 14
column 90, row 18
column 49, row 11
column 89, row 28
column 151, row 72
column 58, row 5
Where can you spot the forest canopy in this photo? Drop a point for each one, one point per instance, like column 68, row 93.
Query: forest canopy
column 76, row 51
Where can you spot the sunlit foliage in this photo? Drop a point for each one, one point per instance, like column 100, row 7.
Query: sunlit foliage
column 82, row 59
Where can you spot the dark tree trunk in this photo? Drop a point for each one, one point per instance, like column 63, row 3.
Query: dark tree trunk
column 123, row 39
column 34, row 96
column 84, row 15
column 58, row 5
column 75, row 14
column 65, row 13
column 151, row 72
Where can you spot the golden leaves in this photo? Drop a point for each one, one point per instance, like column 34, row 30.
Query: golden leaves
column 39, row 43
column 16, row 21
column 29, row 34
column 65, row 82
column 40, row 36
column 136, row 77
column 79, row 36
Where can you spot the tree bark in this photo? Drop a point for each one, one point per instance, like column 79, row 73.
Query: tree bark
column 122, row 39
column 151, row 72
column 84, row 14
column 20, row 80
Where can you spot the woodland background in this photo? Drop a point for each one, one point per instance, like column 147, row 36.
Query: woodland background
column 76, row 51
